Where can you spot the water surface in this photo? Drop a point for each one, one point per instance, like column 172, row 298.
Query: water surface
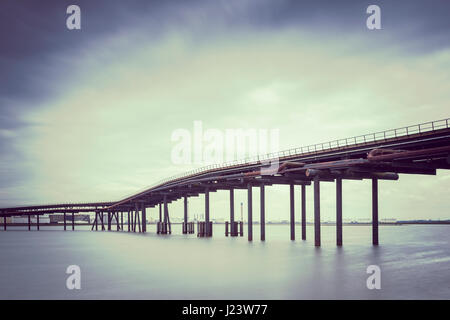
column 414, row 262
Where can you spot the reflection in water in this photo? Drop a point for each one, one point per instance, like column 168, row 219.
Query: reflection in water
column 414, row 261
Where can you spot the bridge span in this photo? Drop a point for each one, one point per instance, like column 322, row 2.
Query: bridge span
column 418, row 149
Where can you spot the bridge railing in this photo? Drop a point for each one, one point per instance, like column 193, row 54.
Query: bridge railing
column 425, row 127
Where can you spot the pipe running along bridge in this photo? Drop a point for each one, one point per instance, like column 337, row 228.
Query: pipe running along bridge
column 417, row 149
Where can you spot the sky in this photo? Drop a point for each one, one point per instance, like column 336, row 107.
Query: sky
column 89, row 114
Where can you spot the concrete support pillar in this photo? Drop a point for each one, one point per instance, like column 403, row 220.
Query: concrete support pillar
column 185, row 210
column 263, row 213
column 160, row 212
column 232, row 212
column 144, row 219
column 166, row 210
column 207, row 211
column 65, row 221
column 250, row 212
column 29, row 223
column 128, row 221
column 4, row 223
column 316, row 212
column 73, row 221
column 375, row 212
column 121, row 220
column 109, row 221
column 102, row 216
column 339, row 211
column 292, row 207
column 37, row 220
column 303, row 212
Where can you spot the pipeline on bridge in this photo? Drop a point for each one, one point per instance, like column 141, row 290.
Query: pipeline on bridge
column 419, row 149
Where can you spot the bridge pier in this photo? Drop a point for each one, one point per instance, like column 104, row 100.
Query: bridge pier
column 339, row 211
column 316, row 211
column 144, row 219
column 167, row 228
column 292, row 207
column 185, row 216
column 232, row 231
column 160, row 213
column 101, row 218
column 233, row 224
column 121, row 220
column 303, row 212
column 37, row 222
column 263, row 213
column 250, row 212
column 73, row 221
column 375, row 212
column 109, row 221
column 137, row 220
column 207, row 224
column 29, row 223
column 4, row 223
column 65, row 223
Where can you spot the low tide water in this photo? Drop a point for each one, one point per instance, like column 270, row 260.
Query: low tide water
column 414, row 262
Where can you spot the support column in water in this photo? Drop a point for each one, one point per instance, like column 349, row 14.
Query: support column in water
column 263, row 213
column 292, row 207
column 375, row 212
column 303, row 212
column 339, row 211
column 232, row 229
column 317, row 212
column 250, row 213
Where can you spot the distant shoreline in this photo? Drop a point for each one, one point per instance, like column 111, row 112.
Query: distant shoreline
column 397, row 223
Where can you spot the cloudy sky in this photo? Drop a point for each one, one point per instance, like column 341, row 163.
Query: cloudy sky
column 88, row 114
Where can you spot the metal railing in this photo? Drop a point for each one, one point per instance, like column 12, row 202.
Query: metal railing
column 318, row 147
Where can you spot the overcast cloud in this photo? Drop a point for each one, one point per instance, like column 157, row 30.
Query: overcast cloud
column 88, row 115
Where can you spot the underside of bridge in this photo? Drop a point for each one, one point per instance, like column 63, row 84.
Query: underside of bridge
column 419, row 149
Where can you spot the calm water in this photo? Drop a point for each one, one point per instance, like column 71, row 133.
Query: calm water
column 414, row 262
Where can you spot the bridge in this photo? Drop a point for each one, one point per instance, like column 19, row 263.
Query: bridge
column 417, row 149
